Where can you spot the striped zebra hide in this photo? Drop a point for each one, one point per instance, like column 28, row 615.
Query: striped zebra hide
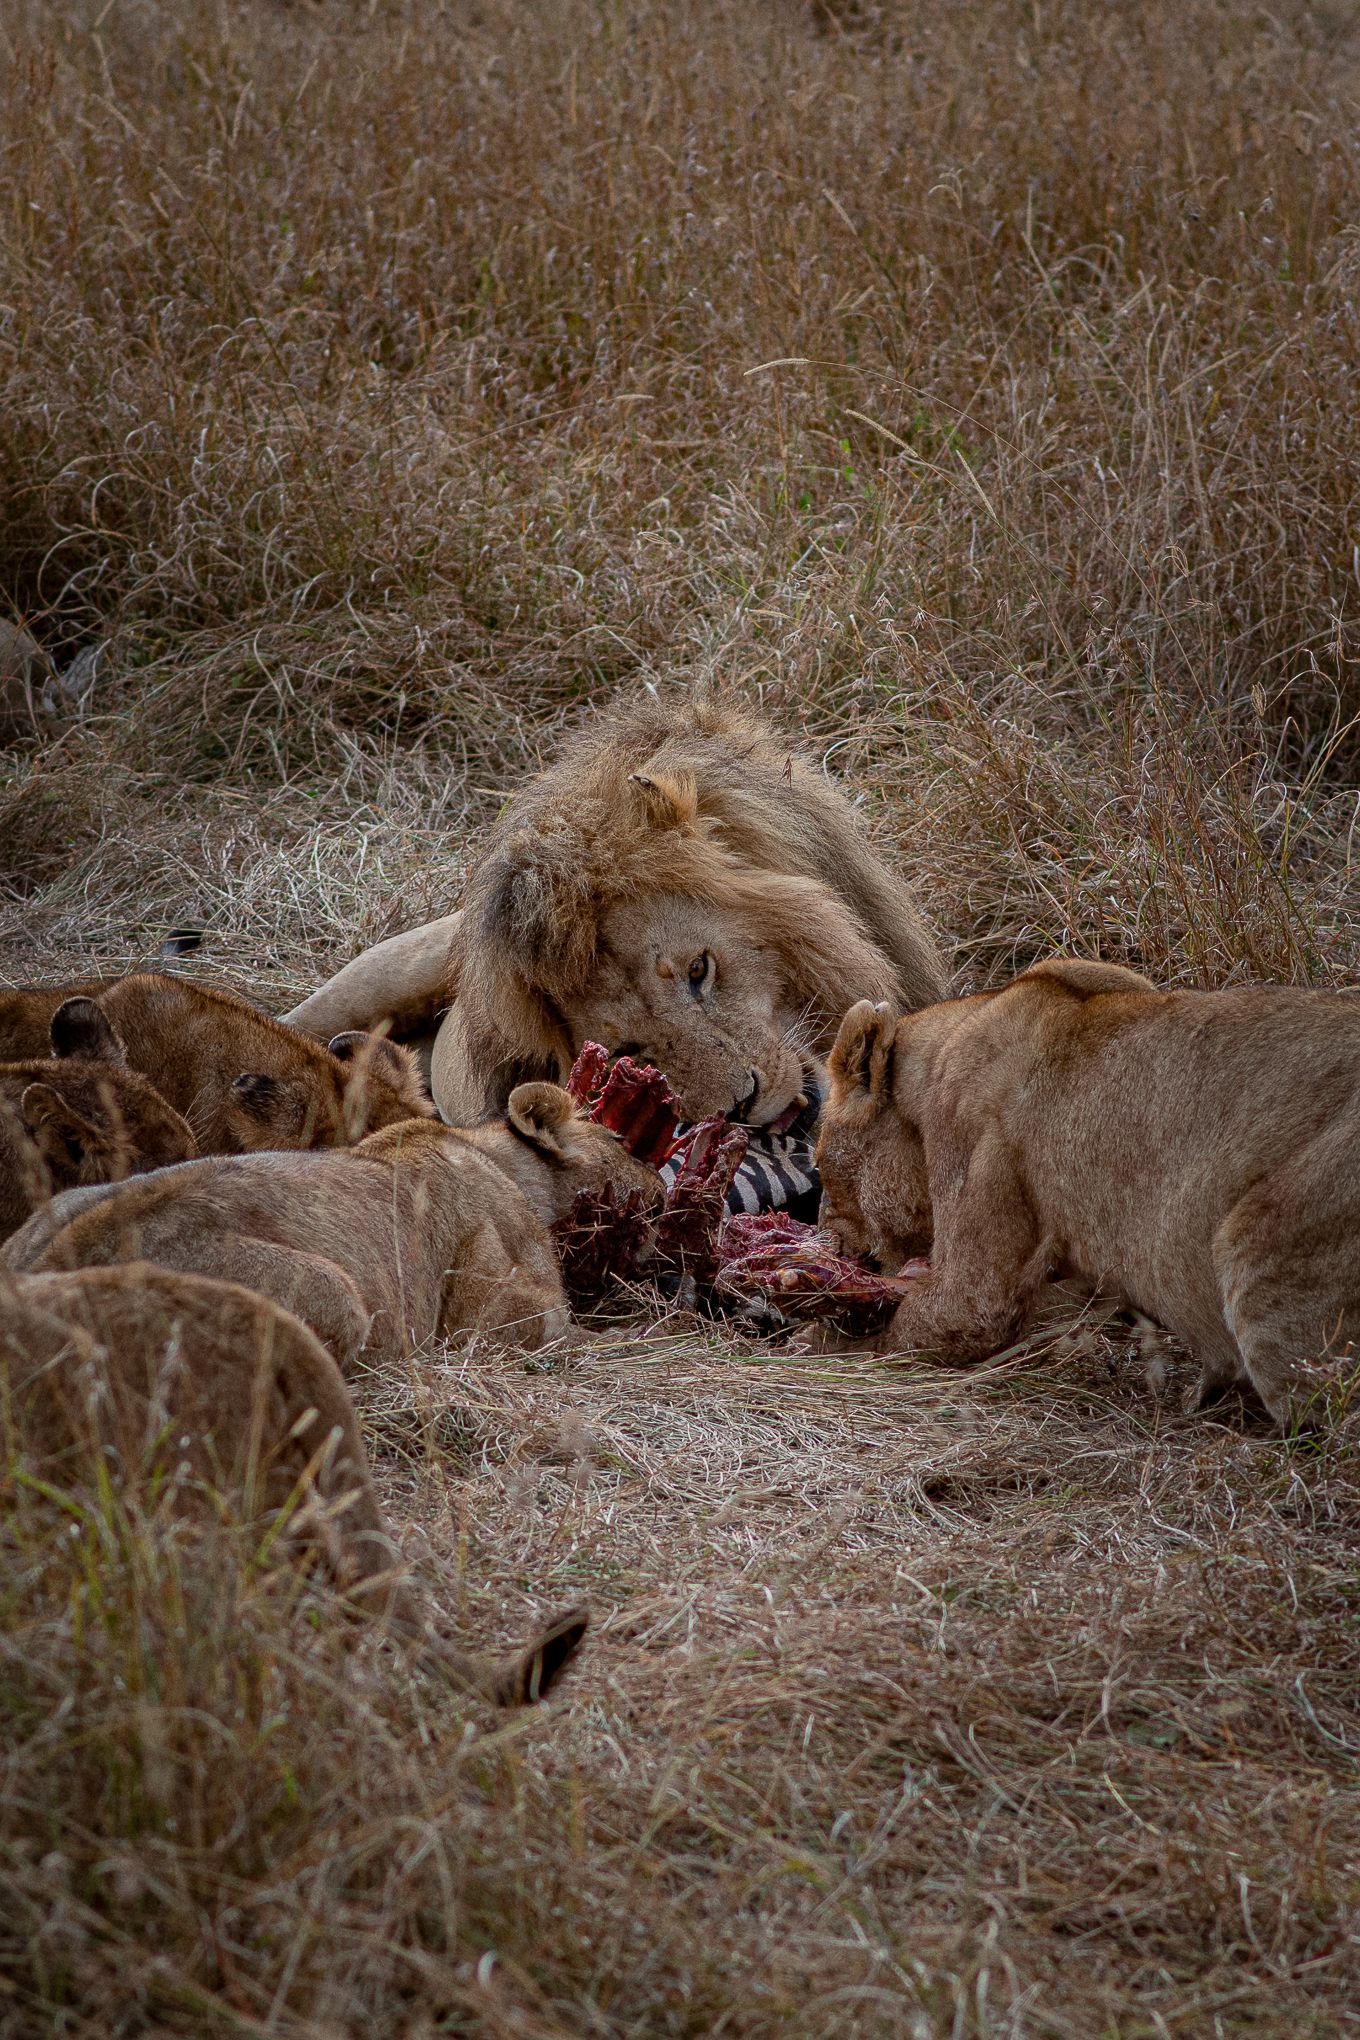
column 777, row 1174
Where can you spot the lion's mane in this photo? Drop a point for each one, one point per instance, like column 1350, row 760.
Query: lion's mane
column 691, row 797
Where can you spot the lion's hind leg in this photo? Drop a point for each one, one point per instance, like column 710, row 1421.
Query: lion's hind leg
column 1287, row 1258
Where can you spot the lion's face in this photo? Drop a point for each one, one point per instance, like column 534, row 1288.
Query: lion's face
column 870, row 1156
column 695, row 992
column 330, row 1098
column 680, row 885
column 98, row 1124
column 596, row 1160
column 553, row 1153
column 875, row 1193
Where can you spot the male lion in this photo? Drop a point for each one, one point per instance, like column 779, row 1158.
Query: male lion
column 158, row 1377
column 1196, row 1154
column 679, row 885
column 420, row 1231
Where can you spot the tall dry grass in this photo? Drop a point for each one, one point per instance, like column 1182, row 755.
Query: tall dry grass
column 974, row 386
column 1012, row 1707
column 386, row 377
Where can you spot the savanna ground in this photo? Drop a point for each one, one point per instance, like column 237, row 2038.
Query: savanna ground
column 974, row 386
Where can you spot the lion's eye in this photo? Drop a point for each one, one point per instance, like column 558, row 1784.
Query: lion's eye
column 701, row 970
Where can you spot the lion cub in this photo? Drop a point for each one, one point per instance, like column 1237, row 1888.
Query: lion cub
column 420, row 1231
column 148, row 1373
column 1195, row 1153
column 26, row 1015
column 80, row 1116
column 243, row 1081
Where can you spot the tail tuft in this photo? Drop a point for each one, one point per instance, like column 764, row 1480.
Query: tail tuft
column 531, row 1675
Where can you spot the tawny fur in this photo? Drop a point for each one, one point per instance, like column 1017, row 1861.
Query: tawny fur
column 419, row 1232
column 243, row 1081
column 79, row 1115
column 26, row 1015
column 665, row 835
column 148, row 1373
column 1195, row 1153
column 405, row 983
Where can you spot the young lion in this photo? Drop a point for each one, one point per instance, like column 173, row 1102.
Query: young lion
column 150, row 1374
column 243, row 1081
column 420, row 1231
column 79, row 1116
column 27, row 1013
column 1195, row 1153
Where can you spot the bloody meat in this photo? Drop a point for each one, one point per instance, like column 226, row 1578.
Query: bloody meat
column 633, row 1101
column 771, row 1255
column 688, row 1234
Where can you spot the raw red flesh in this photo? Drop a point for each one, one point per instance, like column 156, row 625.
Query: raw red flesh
column 587, row 1073
column 775, row 1256
column 634, row 1102
column 688, row 1234
column 748, row 1232
column 768, row 1254
column 599, row 1242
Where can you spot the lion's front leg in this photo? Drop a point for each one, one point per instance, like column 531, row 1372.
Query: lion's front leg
column 403, row 983
column 988, row 1258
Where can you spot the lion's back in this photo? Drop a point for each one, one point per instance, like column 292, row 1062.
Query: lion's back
column 114, row 1353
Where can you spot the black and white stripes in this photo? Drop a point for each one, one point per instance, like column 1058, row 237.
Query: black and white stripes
column 777, row 1174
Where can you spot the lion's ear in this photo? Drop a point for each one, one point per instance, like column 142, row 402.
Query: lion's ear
column 81, row 1028
column 666, row 800
column 256, row 1091
column 62, row 1136
column 348, row 1046
column 541, row 1113
column 383, row 1057
column 861, row 1061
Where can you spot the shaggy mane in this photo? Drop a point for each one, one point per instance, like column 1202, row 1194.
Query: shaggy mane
column 687, row 796
column 682, row 796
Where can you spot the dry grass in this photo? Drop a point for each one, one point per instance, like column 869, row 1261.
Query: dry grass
column 385, row 382
column 1009, row 1705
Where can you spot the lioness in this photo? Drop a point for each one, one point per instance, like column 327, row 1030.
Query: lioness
column 145, row 1373
column 680, row 885
column 243, row 1081
column 418, row 1232
column 1194, row 1153
column 79, row 1116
